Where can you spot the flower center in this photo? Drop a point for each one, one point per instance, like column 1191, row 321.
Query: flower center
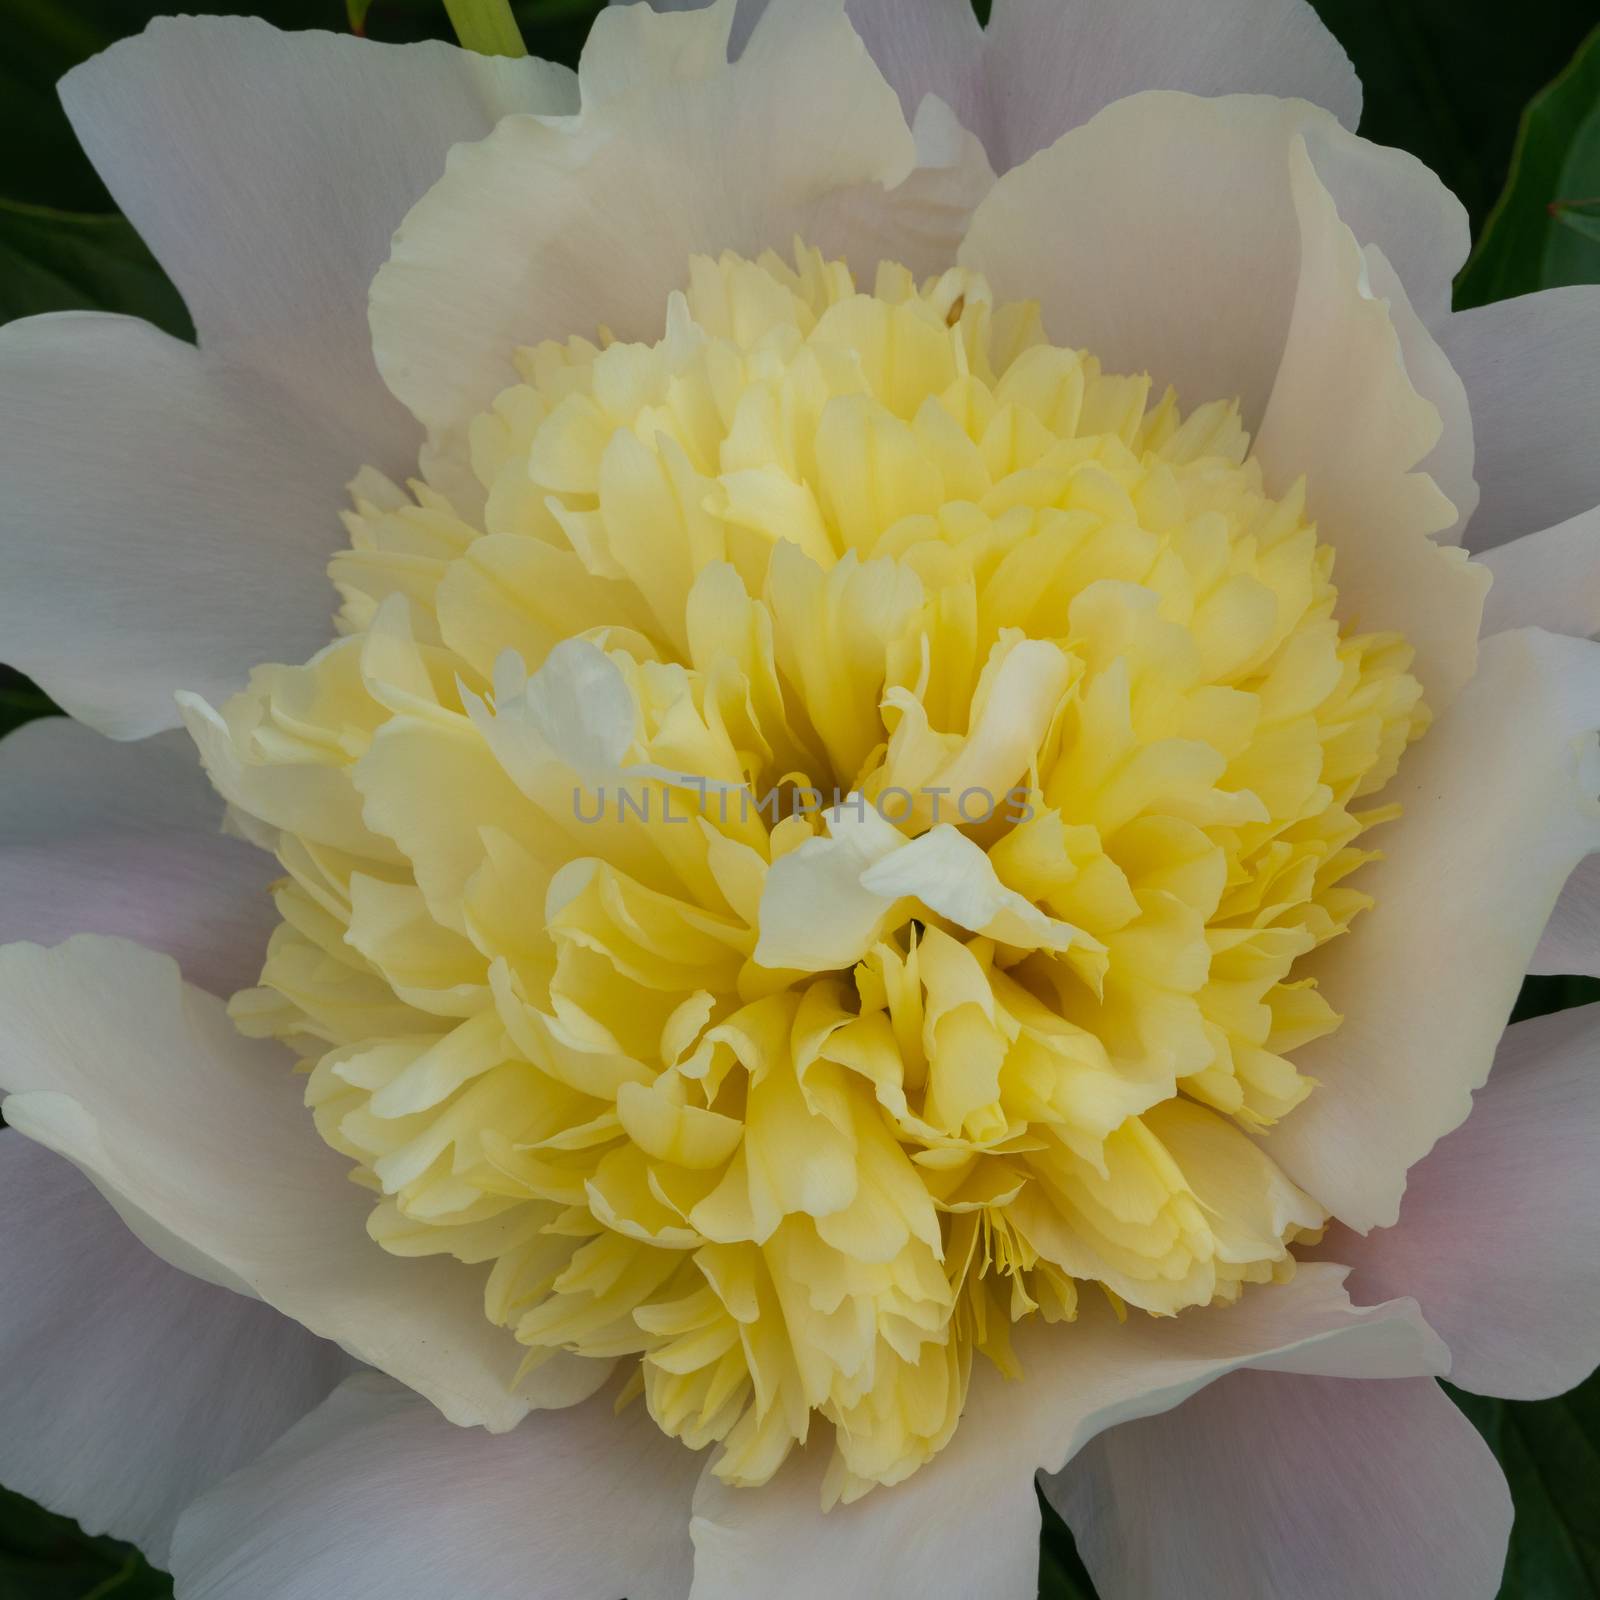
column 798, row 858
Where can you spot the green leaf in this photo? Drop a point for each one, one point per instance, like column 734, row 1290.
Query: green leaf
column 66, row 261
column 1572, row 251
column 20, row 702
column 1557, row 159
column 1062, row 1575
column 1579, row 219
column 1550, row 1453
column 486, row 26
column 1447, row 80
column 48, row 1557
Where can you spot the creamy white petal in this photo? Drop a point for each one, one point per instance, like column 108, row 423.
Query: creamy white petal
column 268, row 170
column 1571, row 938
column 816, row 914
column 554, row 226
column 1268, row 1485
column 1398, row 203
column 1499, row 805
column 1345, row 416
column 126, row 839
column 165, row 520
column 1157, row 286
column 127, row 1386
column 1273, row 308
column 968, row 1523
column 1549, row 579
column 375, row 1496
column 952, row 876
column 1529, row 366
column 197, row 1136
column 1499, row 1232
column 1427, row 369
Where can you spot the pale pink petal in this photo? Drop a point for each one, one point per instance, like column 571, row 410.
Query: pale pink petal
column 126, row 839
column 376, row 1496
column 1499, row 1232
column 1044, row 66
column 968, row 1523
column 1549, row 579
column 267, row 171
column 1571, row 939
column 1051, row 65
column 198, row 1137
column 127, row 1386
column 1529, row 366
column 1268, row 1486
column 1499, row 806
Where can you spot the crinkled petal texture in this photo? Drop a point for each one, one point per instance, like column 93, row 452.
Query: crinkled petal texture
column 1499, row 1233
column 125, row 839
column 196, row 1136
column 1270, row 1484
column 267, row 171
column 376, row 1495
column 129, row 1387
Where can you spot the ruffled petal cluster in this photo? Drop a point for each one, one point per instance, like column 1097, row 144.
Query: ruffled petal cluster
column 807, row 868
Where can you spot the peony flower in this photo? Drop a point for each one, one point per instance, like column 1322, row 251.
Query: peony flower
column 887, row 854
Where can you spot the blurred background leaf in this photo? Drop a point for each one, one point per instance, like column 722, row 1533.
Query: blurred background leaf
column 1556, row 164
column 1503, row 102
column 72, row 260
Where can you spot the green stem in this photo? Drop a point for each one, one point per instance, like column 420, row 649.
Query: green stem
column 486, row 26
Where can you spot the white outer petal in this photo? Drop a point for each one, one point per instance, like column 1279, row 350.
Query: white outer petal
column 1499, row 1232
column 375, row 1496
column 1044, row 66
column 127, row 1386
column 555, row 226
column 268, row 170
column 1499, row 805
column 1571, row 939
column 968, row 1524
column 166, row 515
column 165, row 520
column 197, row 1136
column 1269, row 1486
column 1529, row 365
column 126, row 840
column 1549, row 579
